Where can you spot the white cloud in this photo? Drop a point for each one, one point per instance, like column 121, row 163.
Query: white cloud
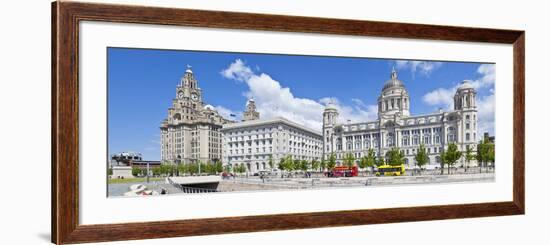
column 443, row 97
column 273, row 100
column 487, row 72
column 423, row 67
column 237, row 71
column 486, row 115
column 226, row 113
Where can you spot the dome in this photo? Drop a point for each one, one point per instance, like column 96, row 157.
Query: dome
column 251, row 100
column 208, row 107
column 466, row 84
column 330, row 106
column 393, row 82
column 188, row 70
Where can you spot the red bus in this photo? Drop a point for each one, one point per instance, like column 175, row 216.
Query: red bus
column 343, row 171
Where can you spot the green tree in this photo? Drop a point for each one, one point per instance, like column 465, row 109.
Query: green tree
column 349, row 160
column 421, row 157
column 110, row 171
column 331, row 161
column 322, row 165
column 371, row 159
column 281, row 164
column 208, row 168
column 156, row 171
column 363, row 163
column 286, row 164
column 136, row 171
column 380, row 162
column 395, row 157
column 485, row 154
column 240, row 168
column 270, row 162
column 468, row 156
column 227, row 168
column 491, row 154
column 451, row 156
column 296, row 165
column 193, row 168
column 315, row 164
column 182, row 169
column 304, row 165
column 218, row 167
column 442, row 160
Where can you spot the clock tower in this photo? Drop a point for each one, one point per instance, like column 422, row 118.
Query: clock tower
column 190, row 132
column 188, row 91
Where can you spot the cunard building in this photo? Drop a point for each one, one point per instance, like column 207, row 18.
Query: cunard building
column 190, row 133
column 395, row 127
column 254, row 142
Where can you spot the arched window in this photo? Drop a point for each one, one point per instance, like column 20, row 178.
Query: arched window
column 467, row 117
column 467, row 136
column 390, row 139
column 358, row 145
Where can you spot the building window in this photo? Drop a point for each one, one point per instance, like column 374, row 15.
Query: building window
column 426, row 139
column 451, row 138
column 467, row 136
column 467, row 125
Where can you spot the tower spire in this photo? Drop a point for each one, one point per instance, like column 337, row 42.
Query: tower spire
column 393, row 73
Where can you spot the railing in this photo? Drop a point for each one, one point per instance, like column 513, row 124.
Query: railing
column 187, row 189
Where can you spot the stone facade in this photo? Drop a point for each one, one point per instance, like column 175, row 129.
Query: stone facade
column 190, row 133
column 395, row 127
column 252, row 143
column 251, row 113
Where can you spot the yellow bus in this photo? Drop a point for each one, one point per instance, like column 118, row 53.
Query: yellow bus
column 389, row 170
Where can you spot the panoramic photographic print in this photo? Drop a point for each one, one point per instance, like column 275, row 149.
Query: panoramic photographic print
column 190, row 122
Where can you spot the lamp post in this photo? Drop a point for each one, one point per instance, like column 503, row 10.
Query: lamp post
column 147, row 172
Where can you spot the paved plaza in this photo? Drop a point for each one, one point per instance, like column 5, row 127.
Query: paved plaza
column 174, row 185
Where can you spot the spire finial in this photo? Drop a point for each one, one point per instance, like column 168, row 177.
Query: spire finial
column 189, row 69
column 393, row 73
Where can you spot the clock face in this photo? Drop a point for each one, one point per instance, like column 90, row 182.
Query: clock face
column 194, row 96
column 180, row 95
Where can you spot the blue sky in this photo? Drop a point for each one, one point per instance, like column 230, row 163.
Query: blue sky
column 142, row 83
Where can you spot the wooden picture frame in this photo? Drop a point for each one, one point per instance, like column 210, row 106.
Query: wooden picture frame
column 65, row 121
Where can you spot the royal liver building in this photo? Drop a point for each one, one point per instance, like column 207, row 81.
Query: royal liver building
column 190, row 133
column 395, row 127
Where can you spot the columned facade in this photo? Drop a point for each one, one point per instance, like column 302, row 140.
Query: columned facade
column 395, row 127
column 255, row 143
